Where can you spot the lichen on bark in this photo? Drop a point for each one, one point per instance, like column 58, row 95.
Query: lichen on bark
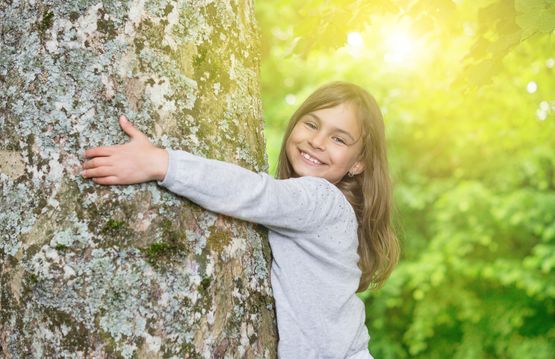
column 127, row 271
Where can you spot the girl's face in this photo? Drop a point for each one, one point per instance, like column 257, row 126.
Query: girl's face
column 326, row 143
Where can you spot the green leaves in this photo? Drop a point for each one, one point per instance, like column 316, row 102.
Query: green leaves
column 323, row 25
column 535, row 16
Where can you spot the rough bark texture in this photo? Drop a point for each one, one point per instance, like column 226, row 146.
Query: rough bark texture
column 130, row 271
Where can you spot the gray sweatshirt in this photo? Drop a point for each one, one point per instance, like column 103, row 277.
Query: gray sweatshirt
column 313, row 237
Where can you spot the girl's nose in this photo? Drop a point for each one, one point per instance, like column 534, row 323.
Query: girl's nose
column 318, row 140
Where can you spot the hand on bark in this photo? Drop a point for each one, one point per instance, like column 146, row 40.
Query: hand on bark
column 134, row 162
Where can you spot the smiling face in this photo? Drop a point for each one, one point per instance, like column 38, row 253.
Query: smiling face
column 326, row 143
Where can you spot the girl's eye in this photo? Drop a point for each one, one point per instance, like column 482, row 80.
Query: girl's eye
column 339, row 140
column 310, row 124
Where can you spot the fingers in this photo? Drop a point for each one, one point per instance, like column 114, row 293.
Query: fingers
column 97, row 162
column 108, row 180
column 103, row 151
column 129, row 128
column 98, row 172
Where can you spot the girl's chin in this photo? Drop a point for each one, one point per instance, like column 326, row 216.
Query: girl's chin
column 308, row 172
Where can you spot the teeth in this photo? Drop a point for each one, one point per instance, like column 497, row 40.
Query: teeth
column 311, row 159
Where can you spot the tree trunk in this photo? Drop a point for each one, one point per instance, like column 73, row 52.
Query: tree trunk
column 127, row 271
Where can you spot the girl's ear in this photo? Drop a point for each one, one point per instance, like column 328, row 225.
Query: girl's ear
column 357, row 168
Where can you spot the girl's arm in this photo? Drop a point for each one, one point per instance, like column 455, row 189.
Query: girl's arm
column 296, row 204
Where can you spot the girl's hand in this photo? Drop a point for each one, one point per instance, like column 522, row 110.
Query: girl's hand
column 134, row 162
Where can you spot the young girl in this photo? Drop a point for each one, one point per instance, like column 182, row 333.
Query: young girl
column 328, row 214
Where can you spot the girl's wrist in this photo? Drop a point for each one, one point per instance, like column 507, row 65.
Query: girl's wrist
column 161, row 159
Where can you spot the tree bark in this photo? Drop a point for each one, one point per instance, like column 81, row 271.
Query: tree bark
column 127, row 271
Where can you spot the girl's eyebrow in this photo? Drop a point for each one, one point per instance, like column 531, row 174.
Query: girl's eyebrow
column 335, row 128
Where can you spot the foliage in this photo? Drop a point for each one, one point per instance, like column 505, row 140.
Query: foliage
column 501, row 25
column 470, row 117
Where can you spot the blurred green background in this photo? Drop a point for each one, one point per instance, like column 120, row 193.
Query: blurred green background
column 467, row 89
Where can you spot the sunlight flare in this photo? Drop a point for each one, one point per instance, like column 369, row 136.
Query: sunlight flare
column 400, row 46
column 355, row 40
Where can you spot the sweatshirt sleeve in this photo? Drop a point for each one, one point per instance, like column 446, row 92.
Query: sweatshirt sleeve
column 296, row 204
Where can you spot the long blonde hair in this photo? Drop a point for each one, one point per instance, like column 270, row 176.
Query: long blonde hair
column 370, row 192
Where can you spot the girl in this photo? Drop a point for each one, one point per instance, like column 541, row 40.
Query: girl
column 328, row 214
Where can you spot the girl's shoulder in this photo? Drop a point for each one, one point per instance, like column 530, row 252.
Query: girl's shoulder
column 328, row 195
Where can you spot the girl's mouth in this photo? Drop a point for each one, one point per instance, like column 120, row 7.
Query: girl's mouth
column 311, row 160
